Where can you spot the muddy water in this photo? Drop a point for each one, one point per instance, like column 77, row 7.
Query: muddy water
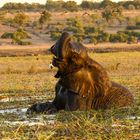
column 23, row 119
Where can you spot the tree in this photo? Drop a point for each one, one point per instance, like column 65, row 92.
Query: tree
column 107, row 3
column 45, row 16
column 112, row 13
column 54, row 5
column 21, row 19
column 70, row 6
column 87, row 5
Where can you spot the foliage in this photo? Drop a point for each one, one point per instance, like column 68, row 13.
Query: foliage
column 55, row 35
column 133, row 27
column 70, row 6
column 45, row 17
column 110, row 13
column 21, row 18
column 86, row 5
column 129, row 4
column 119, row 37
column 61, row 5
column 107, row 4
column 90, row 33
column 7, row 35
column 54, row 5
column 94, row 17
column 23, row 6
column 17, row 37
column 21, row 34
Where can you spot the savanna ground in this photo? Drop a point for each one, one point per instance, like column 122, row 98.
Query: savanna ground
column 26, row 80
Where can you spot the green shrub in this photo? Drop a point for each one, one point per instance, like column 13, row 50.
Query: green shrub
column 92, row 38
column 132, row 39
column 79, row 37
column 133, row 27
column 20, row 34
column 44, row 18
column 72, row 29
column 24, row 43
column 70, row 6
column 74, row 22
column 9, row 22
column 114, row 38
column 138, row 24
column 106, row 37
column 21, row 19
column 7, row 35
column 55, row 35
column 133, row 33
column 90, row 29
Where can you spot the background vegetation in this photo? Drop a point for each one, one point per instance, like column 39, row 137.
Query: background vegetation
column 91, row 21
column 72, row 5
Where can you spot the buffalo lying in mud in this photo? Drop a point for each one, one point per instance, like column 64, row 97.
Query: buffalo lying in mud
column 82, row 82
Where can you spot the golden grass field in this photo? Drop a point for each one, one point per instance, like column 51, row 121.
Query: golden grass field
column 26, row 80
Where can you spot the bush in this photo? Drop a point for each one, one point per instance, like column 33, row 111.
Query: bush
column 79, row 37
column 132, row 39
column 92, row 38
column 133, row 27
column 86, row 5
column 73, row 29
column 17, row 37
column 104, row 37
column 21, row 19
column 74, row 25
column 138, row 24
column 54, row 5
column 9, row 22
column 55, row 35
column 74, row 22
column 114, row 38
column 24, row 43
column 70, row 6
column 20, row 42
column 133, row 33
column 20, row 34
column 45, row 17
column 7, row 35
column 119, row 37
column 89, row 30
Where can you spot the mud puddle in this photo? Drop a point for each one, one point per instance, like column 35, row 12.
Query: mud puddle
column 18, row 116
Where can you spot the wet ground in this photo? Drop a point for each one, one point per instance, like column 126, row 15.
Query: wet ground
column 21, row 118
